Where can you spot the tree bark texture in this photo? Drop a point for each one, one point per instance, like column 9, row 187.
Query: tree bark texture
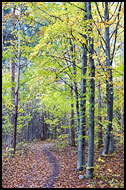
column 81, row 134
column 100, row 142
column 109, row 89
column 92, row 98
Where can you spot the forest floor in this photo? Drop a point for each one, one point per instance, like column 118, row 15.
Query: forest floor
column 42, row 165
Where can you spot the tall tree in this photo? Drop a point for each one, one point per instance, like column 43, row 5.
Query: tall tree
column 92, row 96
column 109, row 141
column 17, row 85
column 109, row 83
column 81, row 134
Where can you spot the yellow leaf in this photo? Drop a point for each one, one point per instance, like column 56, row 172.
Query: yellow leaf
column 62, row 6
column 31, row 58
column 111, row 184
column 109, row 170
column 100, row 160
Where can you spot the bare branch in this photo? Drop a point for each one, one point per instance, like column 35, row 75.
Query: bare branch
column 112, row 55
column 114, row 11
column 99, row 12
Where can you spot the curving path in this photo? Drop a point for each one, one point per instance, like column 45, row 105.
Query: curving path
column 52, row 160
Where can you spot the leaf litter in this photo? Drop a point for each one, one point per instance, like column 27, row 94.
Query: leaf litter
column 43, row 165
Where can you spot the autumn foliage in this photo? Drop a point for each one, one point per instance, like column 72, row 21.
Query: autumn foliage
column 32, row 168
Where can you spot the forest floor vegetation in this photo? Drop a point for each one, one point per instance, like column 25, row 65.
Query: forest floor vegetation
column 41, row 164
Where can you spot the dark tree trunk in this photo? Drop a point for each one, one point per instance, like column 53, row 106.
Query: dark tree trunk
column 81, row 134
column 109, row 89
column 92, row 96
column 100, row 142
column 99, row 117
column 42, row 128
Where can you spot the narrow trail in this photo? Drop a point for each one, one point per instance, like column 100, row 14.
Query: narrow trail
column 52, row 160
column 37, row 168
column 42, row 166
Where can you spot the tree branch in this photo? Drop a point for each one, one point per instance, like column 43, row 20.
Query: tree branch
column 114, row 11
column 99, row 11
column 112, row 55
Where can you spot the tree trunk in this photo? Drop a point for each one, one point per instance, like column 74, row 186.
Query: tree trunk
column 17, row 90
column 75, row 84
column 13, row 74
column 100, row 142
column 99, row 117
column 109, row 89
column 81, row 134
column 92, row 96
column 72, row 131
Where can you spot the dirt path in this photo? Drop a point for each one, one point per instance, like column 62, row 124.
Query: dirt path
column 44, row 166
column 36, row 168
column 52, row 160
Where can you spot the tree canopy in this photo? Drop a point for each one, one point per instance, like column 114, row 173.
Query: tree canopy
column 63, row 75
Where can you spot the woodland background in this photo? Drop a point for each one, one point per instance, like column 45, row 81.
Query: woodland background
column 63, row 77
